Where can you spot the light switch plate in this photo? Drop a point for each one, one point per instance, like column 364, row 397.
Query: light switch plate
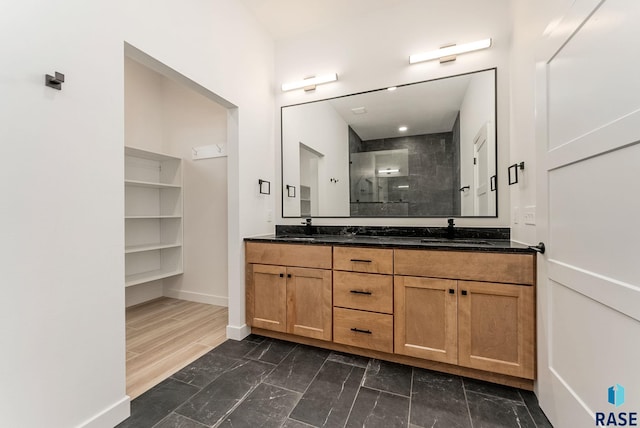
column 530, row 218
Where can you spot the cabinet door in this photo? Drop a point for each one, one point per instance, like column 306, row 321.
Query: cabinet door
column 425, row 318
column 496, row 327
column 268, row 302
column 309, row 302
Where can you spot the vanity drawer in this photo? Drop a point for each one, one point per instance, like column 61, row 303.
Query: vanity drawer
column 311, row 256
column 366, row 291
column 368, row 260
column 363, row 329
column 476, row 266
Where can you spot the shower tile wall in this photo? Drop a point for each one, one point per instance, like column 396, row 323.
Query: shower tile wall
column 434, row 174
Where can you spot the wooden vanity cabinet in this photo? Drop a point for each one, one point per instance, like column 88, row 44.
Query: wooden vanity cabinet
column 426, row 318
column 284, row 295
column 470, row 313
column 363, row 297
column 496, row 328
column 487, row 325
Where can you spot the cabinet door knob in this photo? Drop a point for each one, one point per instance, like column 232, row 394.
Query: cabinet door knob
column 288, row 275
column 357, row 330
column 281, row 275
column 464, row 292
column 452, row 291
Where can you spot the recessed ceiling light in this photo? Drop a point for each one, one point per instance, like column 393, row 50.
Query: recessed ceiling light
column 402, row 129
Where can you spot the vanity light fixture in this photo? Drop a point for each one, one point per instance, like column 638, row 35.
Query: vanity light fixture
column 309, row 84
column 448, row 53
column 403, row 129
column 403, row 186
column 388, row 171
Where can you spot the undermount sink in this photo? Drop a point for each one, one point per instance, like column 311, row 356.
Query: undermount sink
column 454, row 241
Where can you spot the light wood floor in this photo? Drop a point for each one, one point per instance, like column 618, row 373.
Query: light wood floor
column 165, row 334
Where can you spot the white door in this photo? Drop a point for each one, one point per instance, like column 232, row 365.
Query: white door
column 481, row 169
column 484, row 168
column 588, row 135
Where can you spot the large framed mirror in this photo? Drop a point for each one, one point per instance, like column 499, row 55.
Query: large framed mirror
column 426, row 149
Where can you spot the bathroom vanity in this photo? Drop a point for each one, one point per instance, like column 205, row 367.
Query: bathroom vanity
column 463, row 306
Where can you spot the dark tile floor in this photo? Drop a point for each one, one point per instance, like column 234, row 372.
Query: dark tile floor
column 261, row 382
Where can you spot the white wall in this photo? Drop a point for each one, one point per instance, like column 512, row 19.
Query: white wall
column 364, row 60
column 191, row 120
column 478, row 108
column 529, row 24
column 63, row 313
column 326, row 133
column 62, row 309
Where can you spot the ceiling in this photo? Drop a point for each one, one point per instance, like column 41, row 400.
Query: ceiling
column 288, row 18
column 424, row 108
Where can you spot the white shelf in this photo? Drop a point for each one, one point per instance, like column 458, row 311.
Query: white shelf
column 153, row 216
column 154, row 275
column 151, row 185
column 148, row 247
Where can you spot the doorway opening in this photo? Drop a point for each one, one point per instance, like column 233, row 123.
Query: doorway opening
column 173, row 320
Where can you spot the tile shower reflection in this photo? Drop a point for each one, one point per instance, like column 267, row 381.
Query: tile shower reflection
column 352, row 157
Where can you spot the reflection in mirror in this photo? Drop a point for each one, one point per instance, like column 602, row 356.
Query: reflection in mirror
column 422, row 150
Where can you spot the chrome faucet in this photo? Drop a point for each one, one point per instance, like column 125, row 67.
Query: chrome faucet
column 308, row 228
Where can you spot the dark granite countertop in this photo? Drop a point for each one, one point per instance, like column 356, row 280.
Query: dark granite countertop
column 439, row 243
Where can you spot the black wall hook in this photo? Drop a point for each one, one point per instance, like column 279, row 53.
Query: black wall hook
column 513, row 172
column 54, row 82
column 264, row 187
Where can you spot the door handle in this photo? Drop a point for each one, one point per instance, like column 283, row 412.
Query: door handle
column 357, row 330
column 540, row 248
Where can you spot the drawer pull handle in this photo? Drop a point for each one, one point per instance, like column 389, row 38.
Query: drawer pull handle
column 357, row 330
column 361, row 260
column 361, row 292
column 464, row 292
column 452, row 291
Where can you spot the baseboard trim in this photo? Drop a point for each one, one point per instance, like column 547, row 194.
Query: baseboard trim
column 238, row 333
column 196, row 297
column 111, row 416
